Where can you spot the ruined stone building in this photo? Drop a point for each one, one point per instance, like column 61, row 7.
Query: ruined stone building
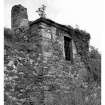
column 52, row 52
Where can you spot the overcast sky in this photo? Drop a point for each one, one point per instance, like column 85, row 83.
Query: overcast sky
column 87, row 14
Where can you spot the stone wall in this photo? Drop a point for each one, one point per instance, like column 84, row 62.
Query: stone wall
column 57, row 72
column 42, row 75
column 18, row 16
column 48, row 78
column 81, row 39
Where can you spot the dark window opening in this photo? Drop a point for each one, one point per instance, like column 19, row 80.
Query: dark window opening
column 68, row 48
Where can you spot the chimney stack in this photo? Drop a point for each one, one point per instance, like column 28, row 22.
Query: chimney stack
column 19, row 16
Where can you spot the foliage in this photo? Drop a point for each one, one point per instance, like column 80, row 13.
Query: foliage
column 94, row 65
column 29, row 81
column 21, row 78
column 93, row 91
column 8, row 34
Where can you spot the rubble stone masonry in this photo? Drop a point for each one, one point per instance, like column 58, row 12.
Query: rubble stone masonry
column 58, row 81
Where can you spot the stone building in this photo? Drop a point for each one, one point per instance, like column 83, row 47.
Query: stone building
column 54, row 51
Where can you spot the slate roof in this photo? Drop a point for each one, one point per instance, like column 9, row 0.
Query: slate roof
column 52, row 23
column 66, row 28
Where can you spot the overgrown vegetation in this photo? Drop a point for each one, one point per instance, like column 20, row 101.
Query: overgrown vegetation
column 94, row 65
column 93, row 78
column 23, row 82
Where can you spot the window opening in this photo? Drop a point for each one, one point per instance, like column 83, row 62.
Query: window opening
column 68, row 48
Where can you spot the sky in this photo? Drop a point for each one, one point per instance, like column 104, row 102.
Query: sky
column 88, row 15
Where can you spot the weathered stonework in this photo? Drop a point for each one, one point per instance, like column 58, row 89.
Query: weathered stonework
column 18, row 16
column 54, row 80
